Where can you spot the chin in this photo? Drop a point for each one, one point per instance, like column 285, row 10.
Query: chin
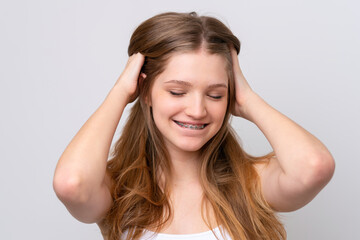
column 190, row 147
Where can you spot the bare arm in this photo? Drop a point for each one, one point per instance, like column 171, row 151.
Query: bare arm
column 302, row 166
column 80, row 179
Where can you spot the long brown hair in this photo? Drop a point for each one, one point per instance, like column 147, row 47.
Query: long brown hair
column 228, row 177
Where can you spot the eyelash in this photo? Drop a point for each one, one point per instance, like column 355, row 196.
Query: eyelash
column 180, row 94
column 176, row 93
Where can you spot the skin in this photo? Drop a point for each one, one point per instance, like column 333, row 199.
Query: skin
column 301, row 168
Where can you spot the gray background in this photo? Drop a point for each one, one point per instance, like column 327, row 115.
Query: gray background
column 59, row 59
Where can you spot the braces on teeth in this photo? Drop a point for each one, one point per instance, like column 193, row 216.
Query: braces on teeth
column 190, row 126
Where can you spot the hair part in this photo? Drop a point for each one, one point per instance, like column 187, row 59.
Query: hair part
column 228, row 177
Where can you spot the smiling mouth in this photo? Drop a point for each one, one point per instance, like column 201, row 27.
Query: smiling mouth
column 191, row 126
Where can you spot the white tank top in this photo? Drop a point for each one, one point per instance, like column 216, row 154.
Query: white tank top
column 208, row 235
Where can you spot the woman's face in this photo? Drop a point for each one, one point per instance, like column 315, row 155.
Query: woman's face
column 189, row 100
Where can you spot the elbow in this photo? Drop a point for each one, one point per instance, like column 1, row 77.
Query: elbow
column 69, row 189
column 320, row 170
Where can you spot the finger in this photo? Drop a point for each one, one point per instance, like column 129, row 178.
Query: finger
column 134, row 65
column 234, row 57
column 236, row 64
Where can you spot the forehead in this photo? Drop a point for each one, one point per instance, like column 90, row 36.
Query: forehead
column 196, row 67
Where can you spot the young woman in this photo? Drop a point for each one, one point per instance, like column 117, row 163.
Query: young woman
column 178, row 171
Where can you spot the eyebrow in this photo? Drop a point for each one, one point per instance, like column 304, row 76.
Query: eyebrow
column 188, row 84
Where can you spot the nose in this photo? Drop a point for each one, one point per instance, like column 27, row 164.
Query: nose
column 196, row 107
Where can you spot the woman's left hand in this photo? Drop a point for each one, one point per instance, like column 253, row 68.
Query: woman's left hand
column 302, row 166
column 243, row 91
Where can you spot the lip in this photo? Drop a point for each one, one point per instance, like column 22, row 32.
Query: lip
column 191, row 123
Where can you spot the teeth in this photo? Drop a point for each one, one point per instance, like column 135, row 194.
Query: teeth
column 190, row 126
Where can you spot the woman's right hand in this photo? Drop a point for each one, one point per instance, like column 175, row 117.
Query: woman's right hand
column 131, row 76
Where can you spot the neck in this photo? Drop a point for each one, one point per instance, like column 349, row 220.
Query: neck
column 185, row 167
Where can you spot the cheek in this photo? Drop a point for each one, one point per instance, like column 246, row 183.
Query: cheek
column 218, row 112
column 163, row 106
column 219, row 108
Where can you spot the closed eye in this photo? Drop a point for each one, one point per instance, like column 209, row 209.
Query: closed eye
column 215, row 97
column 176, row 93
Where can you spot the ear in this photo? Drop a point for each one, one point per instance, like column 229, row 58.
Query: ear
column 141, row 79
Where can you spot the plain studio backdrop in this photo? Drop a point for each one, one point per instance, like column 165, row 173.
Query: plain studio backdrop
column 59, row 59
